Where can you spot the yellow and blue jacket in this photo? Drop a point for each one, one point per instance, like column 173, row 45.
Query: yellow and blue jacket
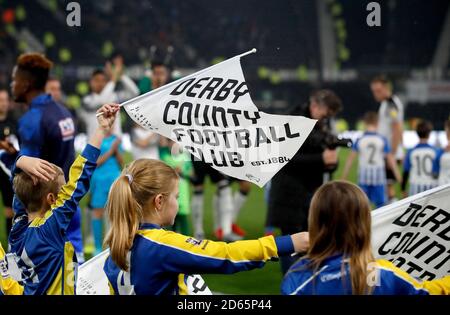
column 40, row 247
column 333, row 278
column 8, row 286
column 159, row 260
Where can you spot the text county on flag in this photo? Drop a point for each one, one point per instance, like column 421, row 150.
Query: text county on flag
column 211, row 115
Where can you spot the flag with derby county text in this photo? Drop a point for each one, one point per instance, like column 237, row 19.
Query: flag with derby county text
column 414, row 233
column 211, row 115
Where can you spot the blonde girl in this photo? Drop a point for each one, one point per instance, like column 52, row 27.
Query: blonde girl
column 145, row 259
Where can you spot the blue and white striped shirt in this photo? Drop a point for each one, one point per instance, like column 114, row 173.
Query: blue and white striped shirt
column 419, row 163
column 372, row 149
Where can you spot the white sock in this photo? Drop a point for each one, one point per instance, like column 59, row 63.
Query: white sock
column 239, row 200
column 197, row 213
column 225, row 208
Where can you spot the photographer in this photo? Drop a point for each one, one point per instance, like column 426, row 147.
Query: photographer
column 293, row 186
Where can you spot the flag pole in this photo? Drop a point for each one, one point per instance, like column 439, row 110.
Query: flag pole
column 252, row 51
column 247, row 53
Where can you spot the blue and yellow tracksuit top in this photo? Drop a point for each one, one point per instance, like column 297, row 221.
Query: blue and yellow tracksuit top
column 41, row 248
column 332, row 279
column 159, row 260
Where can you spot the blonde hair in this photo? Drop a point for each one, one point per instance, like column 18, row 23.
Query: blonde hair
column 31, row 195
column 340, row 223
column 129, row 197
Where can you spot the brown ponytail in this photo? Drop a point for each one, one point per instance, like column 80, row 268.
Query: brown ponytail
column 128, row 199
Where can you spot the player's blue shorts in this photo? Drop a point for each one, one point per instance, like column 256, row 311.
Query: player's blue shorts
column 376, row 194
column 100, row 186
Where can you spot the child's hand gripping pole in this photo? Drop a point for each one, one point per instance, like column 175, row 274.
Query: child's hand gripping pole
column 301, row 242
column 107, row 109
column 106, row 116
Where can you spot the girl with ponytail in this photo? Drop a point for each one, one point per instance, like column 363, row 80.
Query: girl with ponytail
column 145, row 259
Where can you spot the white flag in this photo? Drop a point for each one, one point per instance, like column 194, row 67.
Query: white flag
column 414, row 233
column 91, row 279
column 211, row 115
